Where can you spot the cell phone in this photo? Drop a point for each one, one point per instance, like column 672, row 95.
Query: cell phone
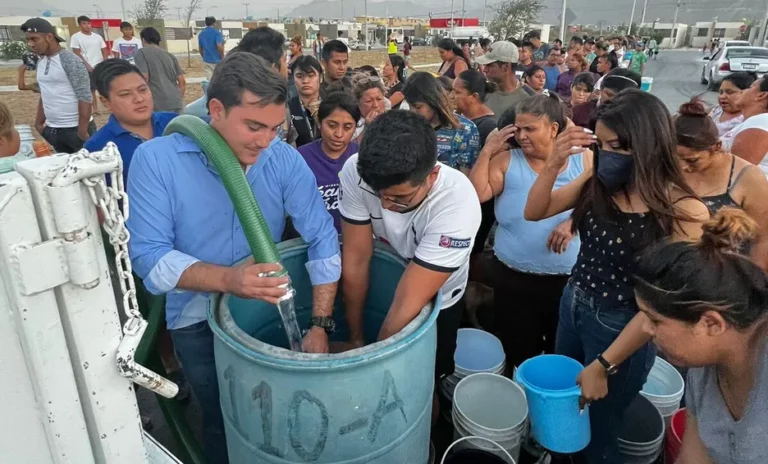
column 30, row 61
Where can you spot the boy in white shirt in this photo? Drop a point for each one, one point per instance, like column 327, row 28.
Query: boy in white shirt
column 396, row 191
column 91, row 48
column 126, row 46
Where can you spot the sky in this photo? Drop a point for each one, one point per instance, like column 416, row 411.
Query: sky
column 587, row 11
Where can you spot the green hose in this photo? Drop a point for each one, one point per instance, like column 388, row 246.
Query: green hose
column 232, row 175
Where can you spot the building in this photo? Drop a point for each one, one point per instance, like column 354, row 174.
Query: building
column 704, row 32
column 663, row 30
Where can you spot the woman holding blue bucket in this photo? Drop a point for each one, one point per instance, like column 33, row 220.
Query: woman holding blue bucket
column 707, row 308
column 634, row 196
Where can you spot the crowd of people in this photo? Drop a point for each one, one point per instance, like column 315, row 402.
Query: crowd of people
column 622, row 231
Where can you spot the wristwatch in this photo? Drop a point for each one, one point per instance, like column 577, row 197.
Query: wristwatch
column 324, row 322
column 610, row 369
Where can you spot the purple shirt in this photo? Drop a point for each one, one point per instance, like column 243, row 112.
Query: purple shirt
column 564, row 82
column 326, row 171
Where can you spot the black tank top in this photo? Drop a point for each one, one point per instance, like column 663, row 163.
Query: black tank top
column 450, row 72
column 605, row 263
column 715, row 202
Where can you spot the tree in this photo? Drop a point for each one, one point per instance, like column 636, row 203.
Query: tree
column 149, row 12
column 513, row 16
column 193, row 6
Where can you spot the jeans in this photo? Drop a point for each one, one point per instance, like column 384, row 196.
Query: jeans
column 194, row 348
column 65, row 139
column 585, row 330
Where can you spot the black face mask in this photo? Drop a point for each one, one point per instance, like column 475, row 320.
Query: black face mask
column 615, row 169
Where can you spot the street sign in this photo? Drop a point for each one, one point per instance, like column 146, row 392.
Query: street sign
column 570, row 16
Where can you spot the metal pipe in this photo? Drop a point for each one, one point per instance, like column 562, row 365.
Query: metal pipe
column 632, row 17
column 562, row 23
column 645, row 7
column 672, row 30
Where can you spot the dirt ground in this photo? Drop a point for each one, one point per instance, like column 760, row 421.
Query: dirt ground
column 24, row 104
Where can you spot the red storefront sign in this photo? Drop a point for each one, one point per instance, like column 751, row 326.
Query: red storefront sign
column 445, row 23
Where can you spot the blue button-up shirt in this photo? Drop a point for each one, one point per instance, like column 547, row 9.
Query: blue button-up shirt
column 181, row 214
column 127, row 142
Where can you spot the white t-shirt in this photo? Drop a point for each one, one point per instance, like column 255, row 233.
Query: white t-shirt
column 758, row 121
column 60, row 102
column 90, row 47
column 438, row 235
column 126, row 48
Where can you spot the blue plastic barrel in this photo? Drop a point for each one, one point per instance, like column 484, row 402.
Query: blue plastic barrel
column 369, row 405
column 553, row 402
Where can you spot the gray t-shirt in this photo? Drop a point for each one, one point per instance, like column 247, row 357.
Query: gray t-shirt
column 500, row 101
column 728, row 441
column 163, row 70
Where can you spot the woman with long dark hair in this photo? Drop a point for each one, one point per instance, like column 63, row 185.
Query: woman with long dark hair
column 458, row 141
column 727, row 115
column 532, row 260
column 536, row 78
column 454, row 62
column 719, row 177
column 469, row 91
column 707, row 309
column 394, row 73
column 634, row 196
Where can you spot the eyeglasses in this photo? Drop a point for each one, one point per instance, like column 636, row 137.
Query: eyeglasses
column 404, row 205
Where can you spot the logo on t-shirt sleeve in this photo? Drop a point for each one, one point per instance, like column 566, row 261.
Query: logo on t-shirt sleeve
column 450, row 242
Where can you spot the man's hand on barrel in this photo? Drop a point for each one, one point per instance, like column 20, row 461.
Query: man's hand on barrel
column 315, row 341
column 249, row 281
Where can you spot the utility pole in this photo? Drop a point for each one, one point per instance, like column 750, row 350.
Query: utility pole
column 178, row 10
column 645, row 7
column 485, row 13
column 450, row 33
column 365, row 25
column 342, row 9
column 463, row 11
column 562, row 23
column 278, row 15
column 246, row 9
column 122, row 7
column 632, row 17
column 674, row 22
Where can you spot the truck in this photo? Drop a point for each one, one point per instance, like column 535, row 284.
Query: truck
column 73, row 354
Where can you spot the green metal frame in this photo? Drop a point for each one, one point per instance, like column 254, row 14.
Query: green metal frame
column 153, row 309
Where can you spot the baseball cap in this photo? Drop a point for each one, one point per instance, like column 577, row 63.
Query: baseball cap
column 503, row 51
column 40, row 26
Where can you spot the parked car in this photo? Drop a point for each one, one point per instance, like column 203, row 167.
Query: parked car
column 359, row 46
column 419, row 42
column 733, row 59
column 737, row 43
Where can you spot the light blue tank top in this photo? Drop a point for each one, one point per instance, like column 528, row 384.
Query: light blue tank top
column 521, row 244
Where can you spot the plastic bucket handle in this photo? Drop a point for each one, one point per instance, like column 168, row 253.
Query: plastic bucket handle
column 511, row 459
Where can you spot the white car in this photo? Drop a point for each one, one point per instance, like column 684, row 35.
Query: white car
column 728, row 60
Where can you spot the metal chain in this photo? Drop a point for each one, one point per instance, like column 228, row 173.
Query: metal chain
column 112, row 200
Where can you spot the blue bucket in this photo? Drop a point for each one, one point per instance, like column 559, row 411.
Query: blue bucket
column 477, row 351
column 553, row 402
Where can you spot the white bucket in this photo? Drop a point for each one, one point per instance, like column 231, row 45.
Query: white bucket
column 493, row 407
column 641, row 433
column 664, row 388
column 456, row 444
column 477, row 351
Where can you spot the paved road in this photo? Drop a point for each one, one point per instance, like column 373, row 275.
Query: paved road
column 676, row 78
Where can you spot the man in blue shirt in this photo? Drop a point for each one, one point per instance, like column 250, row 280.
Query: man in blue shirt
column 186, row 237
column 211, row 44
column 125, row 93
